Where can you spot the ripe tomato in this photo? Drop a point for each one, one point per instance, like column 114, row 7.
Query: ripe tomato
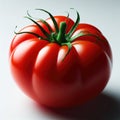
column 60, row 63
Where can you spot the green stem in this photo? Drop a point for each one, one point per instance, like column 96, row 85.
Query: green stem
column 61, row 34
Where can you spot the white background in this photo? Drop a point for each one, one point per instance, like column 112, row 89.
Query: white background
column 104, row 14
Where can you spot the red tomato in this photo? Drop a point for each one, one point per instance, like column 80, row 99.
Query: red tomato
column 60, row 63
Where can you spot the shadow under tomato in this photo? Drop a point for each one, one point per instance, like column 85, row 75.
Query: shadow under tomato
column 104, row 107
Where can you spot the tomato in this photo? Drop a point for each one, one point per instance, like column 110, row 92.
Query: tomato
column 60, row 63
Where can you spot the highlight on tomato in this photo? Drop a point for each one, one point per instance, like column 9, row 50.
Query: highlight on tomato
column 59, row 62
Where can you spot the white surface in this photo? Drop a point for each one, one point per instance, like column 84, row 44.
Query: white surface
column 14, row 105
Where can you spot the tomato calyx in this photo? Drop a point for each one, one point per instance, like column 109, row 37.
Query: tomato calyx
column 58, row 36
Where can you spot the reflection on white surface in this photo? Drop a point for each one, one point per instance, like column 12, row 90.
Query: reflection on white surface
column 14, row 105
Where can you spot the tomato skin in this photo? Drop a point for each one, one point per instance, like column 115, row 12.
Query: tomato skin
column 93, row 30
column 49, row 76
